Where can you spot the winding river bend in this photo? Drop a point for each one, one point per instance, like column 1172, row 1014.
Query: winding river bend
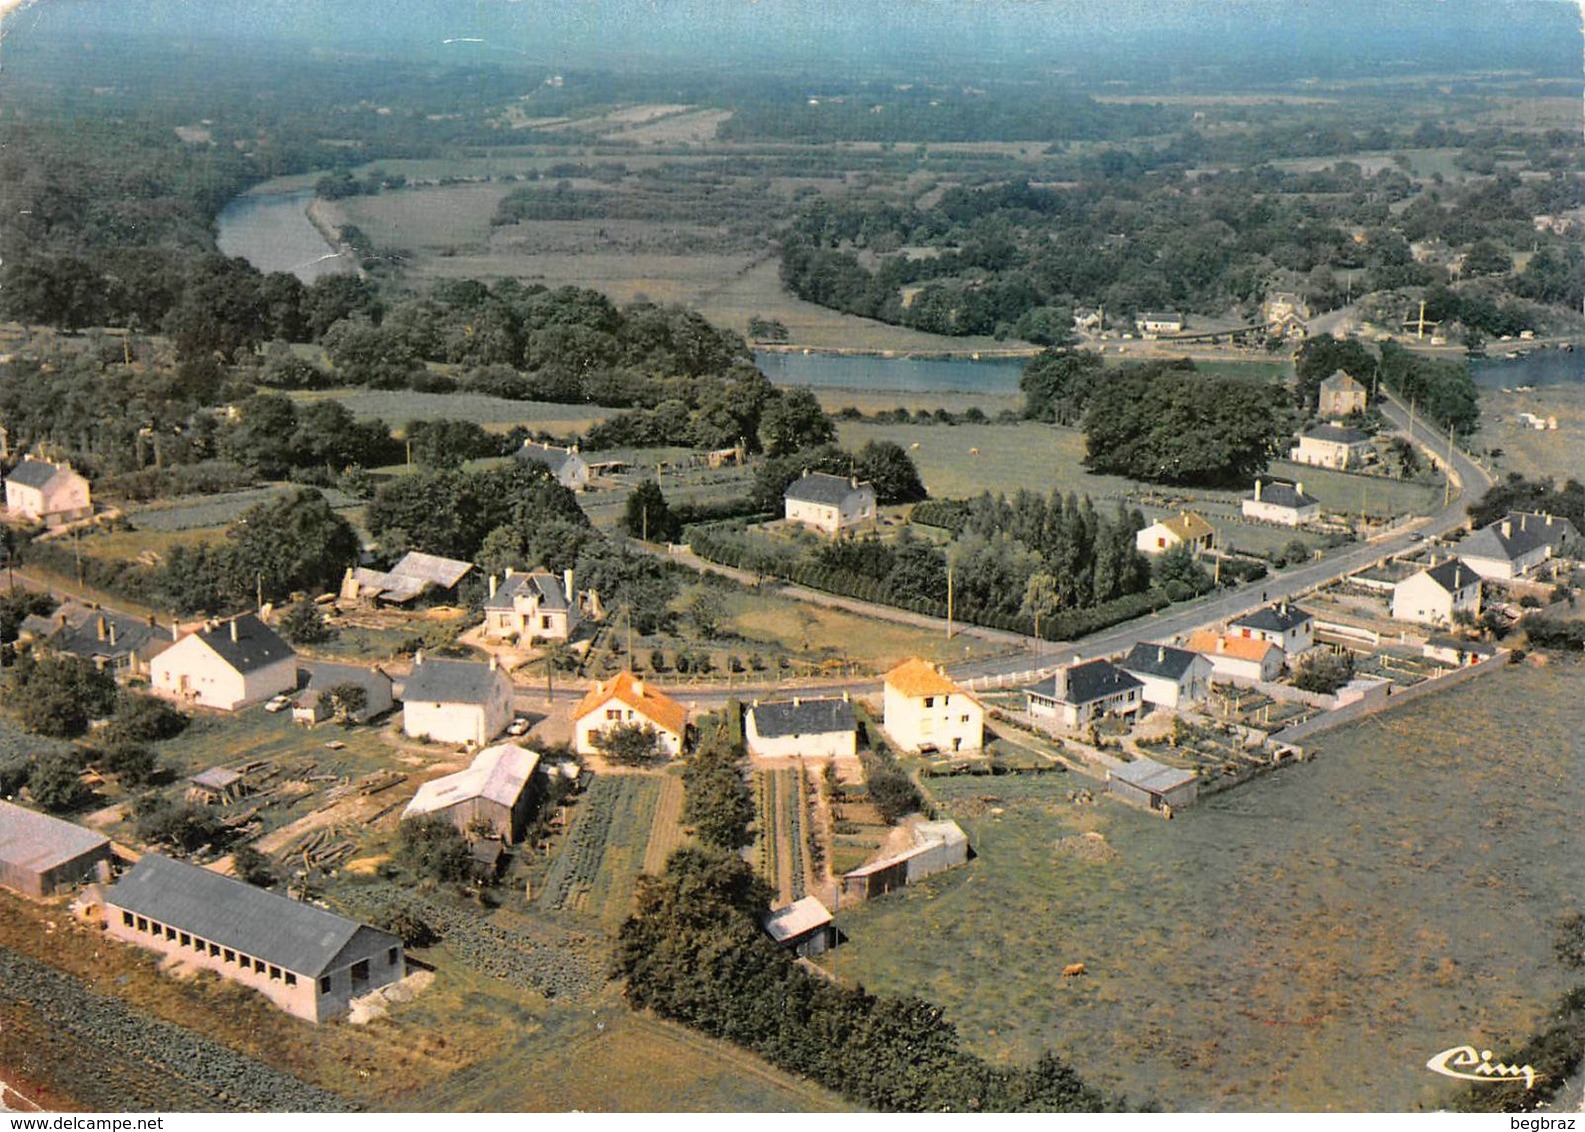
column 271, row 230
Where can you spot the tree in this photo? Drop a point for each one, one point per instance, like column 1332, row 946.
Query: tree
column 716, row 799
column 132, row 763
column 56, row 782
column 145, row 719
column 706, row 612
column 182, row 825
column 60, row 695
column 648, row 516
column 253, row 867
column 1180, row 574
column 886, row 465
column 628, row 744
column 794, row 421
column 1324, row 672
column 348, row 701
column 303, row 624
column 296, row 543
column 433, row 848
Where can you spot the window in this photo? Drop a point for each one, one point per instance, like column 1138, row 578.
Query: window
column 965, row 719
column 230, row 956
column 614, row 714
column 258, row 966
column 544, row 622
column 275, row 973
column 126, row 919
column 324, row 984
column 214, row 950
column 291, row 979
column 360, row 974
column 930, row 701
column 390, row 956
column 143, row 925
column 170, row 932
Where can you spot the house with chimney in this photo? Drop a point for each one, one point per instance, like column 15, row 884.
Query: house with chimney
column 820, row 728
column 112, row 642
column 313, row 704
column 528, row 606
column 1170, row 677
column 1238, row 660
column 1333, row 446
column 225, row 665
column 1151, row 324
column 626, row 700
column 1183, row 529
column 567, row 465
column 1282, row 503
column 1080, row 693
column 1437, row 594
column 40, row 491
column 456, row 701
column 1516, row 545
column 923, row 710
column 1283, row 624
column 1340, row 395
column 832, row 504
column 1285, row 315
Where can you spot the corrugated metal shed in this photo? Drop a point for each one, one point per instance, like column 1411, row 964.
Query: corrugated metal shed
column 34, row 845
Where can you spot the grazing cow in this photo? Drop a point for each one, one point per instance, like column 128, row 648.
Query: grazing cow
column 974, row 451
column 1073, row 970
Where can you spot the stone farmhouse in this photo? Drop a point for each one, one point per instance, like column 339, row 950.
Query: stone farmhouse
column 1341, row 395
column 566, row 464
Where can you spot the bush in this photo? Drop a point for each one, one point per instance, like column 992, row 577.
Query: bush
column 56, row 782
column 145, row 719
column 433, row 848
column 1324, row 673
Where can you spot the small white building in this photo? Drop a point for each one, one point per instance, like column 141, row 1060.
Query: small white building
column 937, row 846
column 1284, row 624
column 1238, row 660
column 1183, row 529
column 1171, row 677
column 531, row 605
column 566, row 464
column 833, row 504
column 1333, row 446
column 1340, row 395
column 1080, row 693
column 1152, row 323
column 625, row 700
column 1452, row 650
column 456, row 701
column 1281, row 503
column 1437, row 594
column 804, row 927
column 225, row 665
column 1517, row 544
column 494, row 790
column 810, row 728
column 306, row 960
column 44, row 492
column 924, row 710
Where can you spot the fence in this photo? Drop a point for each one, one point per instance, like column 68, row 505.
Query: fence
column 1373, row 702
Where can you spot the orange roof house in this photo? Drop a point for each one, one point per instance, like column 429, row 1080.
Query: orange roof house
column 925, row 710
column 626, row 699
column 1238, row 658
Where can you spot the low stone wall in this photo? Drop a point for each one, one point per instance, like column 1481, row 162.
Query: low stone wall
column 1374, row 702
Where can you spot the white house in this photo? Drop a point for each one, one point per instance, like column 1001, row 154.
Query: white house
column 1333, row 446
column 566, row 464
column 1285, row 315
column 1284, row 624
column 1437, row 594
column 1282, row 503
column 526, row 606
column 812, row 728
column 626, row 700
column 1152, row 323
column 1079, row 693
column 1240, row 660
column 1341, row 395
column 828, row 503
column 456, row 701
column 1515, row 545
column 1183, row 529
column 307, row 961
column 923, row 710
column 1171, row 677
column 225, row 665
column 43, row 492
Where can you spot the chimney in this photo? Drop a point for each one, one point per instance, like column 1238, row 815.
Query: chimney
column 1257, row 491
column 1507, row 529
column 797, row 701
column 1298, row 488
column 494, row 662
column 493, row 581
column 845, row 698
column 510, row 571
column 566, row 583
column 1221, row 644
column 233, row 630
column 1061, row 684
column 638, row 688
column 1161, row 654
column 176, row 631
column 151, row 621
column 418, row 657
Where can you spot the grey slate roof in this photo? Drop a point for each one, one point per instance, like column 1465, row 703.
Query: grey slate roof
column 324, row 675
column 82, row 637
column 1337, row 434
column 556, row 459
column 1087, row 682
column 1277, row 618
column 1280, row 494
column 1526, row 531
column 33, row 473
column 257, row 645
column 450, row 682
column 1452, row 575
column 37, row 842
column 549, row 588
column 822, row 487
column 286, row 933
column 1158, row 660
column 803, row 717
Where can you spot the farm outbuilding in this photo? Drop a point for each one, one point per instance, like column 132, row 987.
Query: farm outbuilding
column 1153, row 785
column 494, row 790
column 323, row 676
column 308, row 961
column 804, row 927
column 41, row 856
column 938, row 846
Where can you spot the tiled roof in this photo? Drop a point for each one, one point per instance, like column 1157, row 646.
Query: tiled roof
column 451, row 682
column 498, row 774
column 660, row 709
column 35, row 473
column 1341, row 382
column 803, row 717
column 1452, row 575
column 1277, row 618
column 547, row 586
column 290, row 934
column 1093, row 680
column 914, row 678
column 89, row 636
column 1188, row 526
column 1280, row 494
column 1212, row 644
column 1517, row 534
column 556, row 459
column 1337, row 434
column 820, row 487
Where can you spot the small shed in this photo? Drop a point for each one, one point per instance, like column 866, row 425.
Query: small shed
column 217, row 786
column 1153, row 785
column 496, row 789
column 41, row 855
column 804, row 926
column 322, row 677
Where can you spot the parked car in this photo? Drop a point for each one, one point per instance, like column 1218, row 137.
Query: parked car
column 517, row 727
column 279, row 703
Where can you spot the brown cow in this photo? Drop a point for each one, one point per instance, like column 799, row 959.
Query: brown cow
column 1073, row 970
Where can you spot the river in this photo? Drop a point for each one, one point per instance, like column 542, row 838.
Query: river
column 273, row 233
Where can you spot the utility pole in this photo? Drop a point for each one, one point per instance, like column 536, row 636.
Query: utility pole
column 949, row 601
column 1447, row 472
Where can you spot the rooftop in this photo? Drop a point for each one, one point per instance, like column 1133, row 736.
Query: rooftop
column 451, row 682
column 1087, row 682
column 37, row 473
column 820, row 487
column 1452, row 575
column 498, row 774
column 290, row 934
column 1280, row 494
column 1150, row 775
column 38, row 842
column 548, row 454
column 782, row 718
column 1337, row 434
column 915, row 677
column 798, row 918
column 546, row 587
column 1158, row 660
column 657, row 707
column 1279, row 618
column 1207, row 642
column 1188, row 526
column 245, row 643
column 1517, row 534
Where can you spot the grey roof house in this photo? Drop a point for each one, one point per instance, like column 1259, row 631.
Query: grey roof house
column 811, row 727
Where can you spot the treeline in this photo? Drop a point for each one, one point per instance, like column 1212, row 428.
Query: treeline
column 1439, row 390
column 693, row 951
column 1161, row 422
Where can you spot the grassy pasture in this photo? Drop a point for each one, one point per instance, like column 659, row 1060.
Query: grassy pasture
column 1556, row 455
column 398, row 406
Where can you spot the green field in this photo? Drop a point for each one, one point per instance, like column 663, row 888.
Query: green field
column 1548, row 454
column 398, row 406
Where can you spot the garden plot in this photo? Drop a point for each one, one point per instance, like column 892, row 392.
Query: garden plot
column 782, row 850
column 604, row 850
